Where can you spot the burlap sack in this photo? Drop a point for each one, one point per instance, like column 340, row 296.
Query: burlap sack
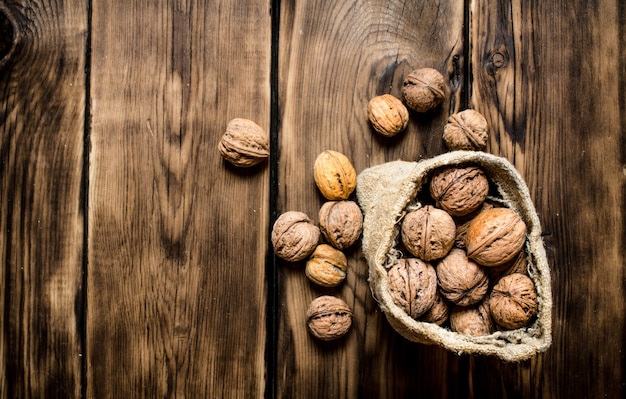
column 385, row 191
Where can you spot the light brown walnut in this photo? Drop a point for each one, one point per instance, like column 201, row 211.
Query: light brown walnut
column 341, row 223
column 472, row 320
column 459, row 190
column 327, row 266
column 334, row 175
column 423, row 89
column 294, row 236
column 387, row 114
column 466, row 130
column 412, row 285
column 513, row 301
column 428, row 233
column 244, row 143
column 461, row 281
column 438, row 313
column 328, row 318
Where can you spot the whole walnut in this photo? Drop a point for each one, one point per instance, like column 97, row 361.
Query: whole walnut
column 438, row 313
column 334, row 175
column 472, row 320
column 326, row 266
column 423, row 89
column 244, row 143
column 428, row 232
column 387, row 114
column 519, row 264
column 461, row 281
column 459, row 190
column 328, row 318
column 463, row 223
column 341, row 223
column 466, row 130
column 412, row 285
column 513, row 301
column 495, row 236
column 294, row 236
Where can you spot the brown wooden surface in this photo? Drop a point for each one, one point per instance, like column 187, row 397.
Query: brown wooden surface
column 136, row 262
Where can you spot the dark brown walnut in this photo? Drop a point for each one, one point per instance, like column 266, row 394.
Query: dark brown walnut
column 328, row 318
column 341, row 223
column 472, row 320
column 438, row 313
column 423, row 89
column 412, row 285
column 326, row 266
column 294, row 236
column 244, row 143
column 495, row 237
column 513, row 301
column 461, row 281
column 387, row 114
column 428, row 233
column 463, row 223
column 459, row 190
column 466, row 130
column 519, row 264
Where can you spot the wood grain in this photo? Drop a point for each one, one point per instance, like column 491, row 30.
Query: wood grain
column 42, row 104
column 540, row 74
column 333, row 58
column 177, row 238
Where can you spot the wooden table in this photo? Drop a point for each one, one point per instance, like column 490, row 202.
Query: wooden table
column 136, row 262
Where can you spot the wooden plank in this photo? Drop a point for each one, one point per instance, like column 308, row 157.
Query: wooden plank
column 334, row 57
column 549, row 79
column 177, row 238
column 42, row 104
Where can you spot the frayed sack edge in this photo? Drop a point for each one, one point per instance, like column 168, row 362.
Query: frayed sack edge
column 385, row 191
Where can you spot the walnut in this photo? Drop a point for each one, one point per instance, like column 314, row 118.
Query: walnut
column 519, row 264
column 244, row 143
column 495, row 236
column 412, row 285
column 387, row 114
column 326, row 266
column 423, row 89
column 438, row 313
column 459, row 190
column 463, row 223
column 294, row 236
column 461, row 281
column 334, row 175
column 328, row 318
column 513, row 301
column 472, row 320
column 428, row 233
column 466, row 130
column 341, row 223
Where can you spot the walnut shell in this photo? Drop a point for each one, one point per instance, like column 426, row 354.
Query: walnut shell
column 326, row 266
column 495, row 236
column 513, row 301
column 519, row 264
column 341, row 223
column 459, row 190
column 461, row 281
column 466, row 130
column 294, row 236
column 423, row 89
column 472, row 320
column 428, row 233
column 412, row 285
column 387, row 114
column 334, row 175
column 328, row 318
column 463, row 223
column 244, row 143
column 438, row 313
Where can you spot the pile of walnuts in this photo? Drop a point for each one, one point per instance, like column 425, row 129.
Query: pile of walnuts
column 295, row 237
column 465, row 264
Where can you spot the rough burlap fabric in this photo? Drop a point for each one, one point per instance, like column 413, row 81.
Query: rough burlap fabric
column 385, row 191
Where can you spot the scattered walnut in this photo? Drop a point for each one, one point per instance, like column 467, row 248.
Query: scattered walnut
column 412, row 285
column 244, row 143
column 423, row 89
column 472, row 320
column 428, row 232
column 327, row 266
column 466, row 130
column 387, row 114
column 513, row 301
column 341, row 223
column 334, row 175
column 495, row 236
column 461, row 281
column 459, row 190
column 438, row 313
column 294, row 236
column 328, row 318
